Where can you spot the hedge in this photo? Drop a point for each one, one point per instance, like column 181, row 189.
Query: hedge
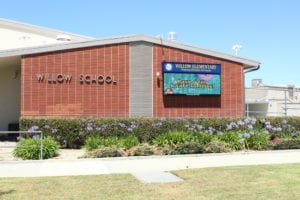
column 72, row 132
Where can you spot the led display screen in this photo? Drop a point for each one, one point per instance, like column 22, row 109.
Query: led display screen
column 191, row 78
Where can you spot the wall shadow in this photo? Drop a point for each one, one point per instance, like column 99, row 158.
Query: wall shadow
column 192, row 101
column 2, row 193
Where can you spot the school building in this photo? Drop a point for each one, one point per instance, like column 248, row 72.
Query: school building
column 128, row 76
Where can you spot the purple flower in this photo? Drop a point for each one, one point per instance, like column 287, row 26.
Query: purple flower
column 20, row 138
column 33, row 128
column 247, row 120
column 98, row 129
column 54, row 130
column 163, row 119
column 133, row 126
column 157, row 124
column 89, row 124
column 36, row 137
column 293, row 134
column 104, row 126
column 240, row 123
column 249, row 126
column 129, row 129
column 229, row 127
column 220, row 133
column 89, row 128
column 253, row 121
column 284, row 121
column 247, row 135
column 199, row 127
column 46, row 126
column 122, row 125
column 196, row 120
column 269, row 126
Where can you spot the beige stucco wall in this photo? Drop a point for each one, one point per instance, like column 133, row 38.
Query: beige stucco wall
column 9, row 94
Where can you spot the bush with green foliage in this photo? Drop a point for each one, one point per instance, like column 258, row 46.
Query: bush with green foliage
column 30, row 148
column 287, row 144
column 129, row 141
column 172, row 138
column 188, row 148
column 203, row 138
column 144, row 149
column 217, row 146
column 258, row 140
column 72, row 132
column 232, row 139
column 102, row 152
column 94, row 142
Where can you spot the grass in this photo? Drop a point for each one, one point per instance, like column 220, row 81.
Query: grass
column 245, row 182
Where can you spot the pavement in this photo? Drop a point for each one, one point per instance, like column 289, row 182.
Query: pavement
column 148, row 169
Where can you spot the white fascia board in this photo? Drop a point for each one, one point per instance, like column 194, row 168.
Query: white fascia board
column 47, row 32
column 248, row 63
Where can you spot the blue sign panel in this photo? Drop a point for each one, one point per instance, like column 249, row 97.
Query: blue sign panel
column 180, row 67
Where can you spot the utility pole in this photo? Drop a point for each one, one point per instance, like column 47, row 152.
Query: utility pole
column 285, row 103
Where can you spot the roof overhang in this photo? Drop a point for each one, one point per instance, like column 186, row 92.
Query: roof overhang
column 43, row 31
column 247, row 63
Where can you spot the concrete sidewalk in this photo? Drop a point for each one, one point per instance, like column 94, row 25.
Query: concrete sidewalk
column 141, row 166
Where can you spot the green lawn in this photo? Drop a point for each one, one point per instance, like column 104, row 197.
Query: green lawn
column 246, row 182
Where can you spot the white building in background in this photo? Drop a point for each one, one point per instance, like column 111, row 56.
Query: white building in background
column 18, row 35
column 266, row 100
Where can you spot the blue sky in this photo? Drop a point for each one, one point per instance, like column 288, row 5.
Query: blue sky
column 268, row 30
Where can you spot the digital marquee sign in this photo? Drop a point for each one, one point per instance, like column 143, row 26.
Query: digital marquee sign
column 191, row 78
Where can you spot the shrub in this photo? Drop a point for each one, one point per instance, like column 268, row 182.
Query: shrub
column 102, row 152
column 287, row 144
column 232, row 139
column 173, row 138
column 72, row 132
column 142, row 150
column 188, row 148
column 166, row 150
column 217, row 147
column 258, row 140
column 30, row 148
column 129, row 141
column 94, row 142
column 203, row 138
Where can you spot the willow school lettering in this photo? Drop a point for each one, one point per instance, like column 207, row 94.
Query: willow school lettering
column 67, row 78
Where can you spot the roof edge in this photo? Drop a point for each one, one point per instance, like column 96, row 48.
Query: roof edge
column 248, row 63
column 38, row 29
